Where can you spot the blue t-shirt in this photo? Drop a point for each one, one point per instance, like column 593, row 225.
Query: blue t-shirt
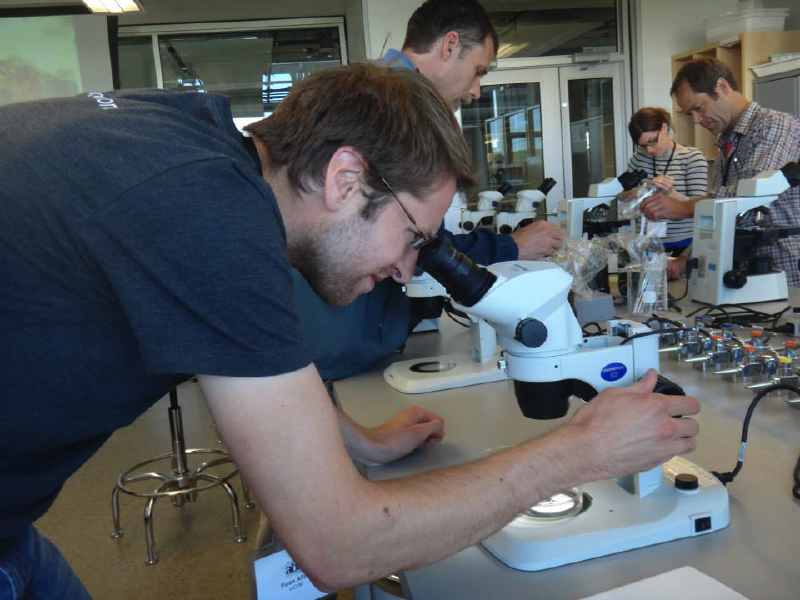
column 139, row 244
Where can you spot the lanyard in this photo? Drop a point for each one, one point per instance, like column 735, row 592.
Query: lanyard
column 731, row 160
column 669, row 161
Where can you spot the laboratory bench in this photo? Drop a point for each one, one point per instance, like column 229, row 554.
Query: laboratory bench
column 755, row 556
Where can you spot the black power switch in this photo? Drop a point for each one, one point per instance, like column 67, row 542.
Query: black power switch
column 702, row 524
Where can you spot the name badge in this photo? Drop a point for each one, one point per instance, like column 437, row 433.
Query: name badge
column 278, row 577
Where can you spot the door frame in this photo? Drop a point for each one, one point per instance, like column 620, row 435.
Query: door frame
column 612, row 70
column 553, row 155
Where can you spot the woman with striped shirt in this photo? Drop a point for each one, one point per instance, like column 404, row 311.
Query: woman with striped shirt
column 672, row 167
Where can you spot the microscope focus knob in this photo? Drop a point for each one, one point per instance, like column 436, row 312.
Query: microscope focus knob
column 531, row 333
column 686, row 482
column 734, row 280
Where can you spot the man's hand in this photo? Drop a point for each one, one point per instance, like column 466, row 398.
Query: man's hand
column 672, row 205
column 538, row 240
column 408, row 430
column 632, row 429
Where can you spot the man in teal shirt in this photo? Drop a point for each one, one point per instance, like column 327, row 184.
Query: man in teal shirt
column 452, row 43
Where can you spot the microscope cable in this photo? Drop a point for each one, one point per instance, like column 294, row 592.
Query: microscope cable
column 729, row 476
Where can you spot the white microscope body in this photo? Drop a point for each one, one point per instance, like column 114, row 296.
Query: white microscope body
column 599, row 193
column 452, row 218
column 484, row 214
column 545, row 352
column 434, row 374
column 603, row 193
column 528, row 206
column 717, row 279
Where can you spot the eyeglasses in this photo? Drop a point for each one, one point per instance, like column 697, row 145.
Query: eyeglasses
column 652, row 143
column 420, row 238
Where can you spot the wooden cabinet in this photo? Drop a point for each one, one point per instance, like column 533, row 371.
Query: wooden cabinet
column 751, row 48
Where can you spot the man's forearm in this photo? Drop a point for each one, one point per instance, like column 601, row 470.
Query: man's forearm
column 284, row 434
column 405, row 523
column 343, row 529
column 354, row 436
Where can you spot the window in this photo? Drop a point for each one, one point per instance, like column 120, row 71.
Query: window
column 254, row 64
column 504, row 131
column 544, row 28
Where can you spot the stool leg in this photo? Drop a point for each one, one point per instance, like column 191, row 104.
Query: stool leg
column 248, row 502
column 238, row 536
column 117, row 532
column 150, row 536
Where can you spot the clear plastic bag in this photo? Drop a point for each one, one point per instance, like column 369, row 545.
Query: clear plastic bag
column 647, row 275
column 583, row 259
column 629, row 203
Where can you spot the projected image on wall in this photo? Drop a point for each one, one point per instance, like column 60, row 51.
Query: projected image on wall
column 45, row 68
column 47, row 57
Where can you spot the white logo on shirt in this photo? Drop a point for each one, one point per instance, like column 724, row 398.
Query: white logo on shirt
column 103, row 102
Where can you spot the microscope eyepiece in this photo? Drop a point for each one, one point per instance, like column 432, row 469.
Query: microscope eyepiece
column 548, row 184
column 465, row 281
column 631, row 179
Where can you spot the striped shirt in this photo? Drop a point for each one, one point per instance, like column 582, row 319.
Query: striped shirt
column 689, row 170
column 764, row 139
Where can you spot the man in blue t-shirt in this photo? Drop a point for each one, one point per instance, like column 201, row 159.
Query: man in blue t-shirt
column 452, row 43
column 144, row 240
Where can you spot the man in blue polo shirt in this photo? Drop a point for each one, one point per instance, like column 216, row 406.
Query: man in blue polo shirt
column 452, row 43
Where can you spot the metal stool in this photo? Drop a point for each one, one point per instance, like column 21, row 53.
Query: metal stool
column 182, row 485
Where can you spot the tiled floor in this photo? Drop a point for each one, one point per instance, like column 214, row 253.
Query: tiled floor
column 198, row 558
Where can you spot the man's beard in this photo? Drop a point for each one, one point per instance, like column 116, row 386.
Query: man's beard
column 327, row 260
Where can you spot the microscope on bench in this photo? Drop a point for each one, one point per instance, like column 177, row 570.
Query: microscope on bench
column 597, row 214
column 550, row 361
column 728, row 233
column 483, row 214
column 528, row 206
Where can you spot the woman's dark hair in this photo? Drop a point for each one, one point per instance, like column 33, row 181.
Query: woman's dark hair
column 647, row 119
column 395, row 119
column 436, row 17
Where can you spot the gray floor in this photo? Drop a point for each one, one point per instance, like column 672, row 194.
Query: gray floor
column 198, row 557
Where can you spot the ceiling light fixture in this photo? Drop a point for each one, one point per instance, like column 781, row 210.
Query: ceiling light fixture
column 113, row 6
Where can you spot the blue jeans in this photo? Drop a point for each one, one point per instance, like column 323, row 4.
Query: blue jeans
column 32, row 568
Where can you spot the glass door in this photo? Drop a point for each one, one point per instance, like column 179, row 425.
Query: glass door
column 591, row 116
column 514, row 132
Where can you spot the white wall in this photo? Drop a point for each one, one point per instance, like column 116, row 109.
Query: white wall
column 385, row 23
column 664, row 29
column 793, row 22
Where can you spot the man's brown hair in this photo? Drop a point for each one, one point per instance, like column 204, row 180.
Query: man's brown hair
column 702, row 75
column 647, row 119
column 437, row 17
column 395, row 119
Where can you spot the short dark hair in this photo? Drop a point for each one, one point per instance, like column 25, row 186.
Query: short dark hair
column 647, row 119
column 436, row 17
column 394, row 118
column 702, row 75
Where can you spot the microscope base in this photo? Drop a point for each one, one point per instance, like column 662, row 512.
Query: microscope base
column 438, row 373
column 770, row 287
column 616, row 520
